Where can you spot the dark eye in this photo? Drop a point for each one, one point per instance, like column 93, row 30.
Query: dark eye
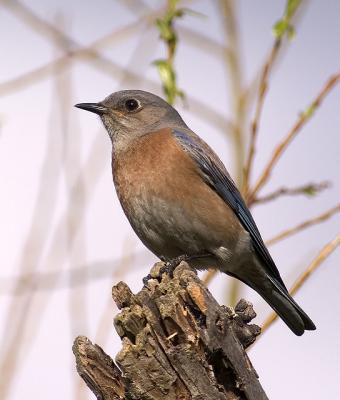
column 132, row 104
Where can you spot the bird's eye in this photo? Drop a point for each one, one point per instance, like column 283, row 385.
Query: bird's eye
column 132, row 104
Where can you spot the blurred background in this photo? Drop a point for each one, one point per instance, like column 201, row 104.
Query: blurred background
column 64, row 238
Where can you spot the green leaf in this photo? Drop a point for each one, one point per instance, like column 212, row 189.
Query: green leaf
column 165, row 30
column 308, row 113
column 165, row 71
column 290, row 32
column 167, row 33
column 280, row 28
column 283, row 26
column 291, row 8
column 310, row 190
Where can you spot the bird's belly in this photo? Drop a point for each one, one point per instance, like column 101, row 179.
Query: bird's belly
column 164, row 228
column 170, row 228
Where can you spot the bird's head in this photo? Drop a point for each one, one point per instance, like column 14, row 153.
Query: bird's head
column 129, row 114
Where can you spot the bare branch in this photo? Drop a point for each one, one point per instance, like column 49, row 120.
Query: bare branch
column 54, row 258
column 168, row 35
column 299, row 124
column 18, row 310
column 206, row 44
column 124, row 267
column 318, row 260
column 98, row 370
column 324, row 253
column 233, row 60
column 263, row 88
column 90, row 55
column 208, row 276
column 309, row 189
column 306, row 224
column 78, row 275
column 61, row 39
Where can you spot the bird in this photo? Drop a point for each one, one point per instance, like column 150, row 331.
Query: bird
column 180, row 199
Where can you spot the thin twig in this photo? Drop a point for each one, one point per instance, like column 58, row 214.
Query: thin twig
column 105, row 320
column 18, row 311
column 198, row 40
column 233, row 60
column 79, row 275
column 54, row 257
column 54, row 260
column 306, row 224
column 58, row 37
column 310, row 189
column 263, row 88
column 30, row 306
column 119, row 273
column 52, row 32
column 285, row 22
column 326, row 251
column 76, row 199
column 208, row 276
column 90, row 55
column 301, row 121
column 168, row 35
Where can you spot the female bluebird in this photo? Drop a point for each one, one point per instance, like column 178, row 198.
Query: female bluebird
column 180, row 199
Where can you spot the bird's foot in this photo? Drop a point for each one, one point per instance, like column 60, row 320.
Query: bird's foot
column 146, row 279
column 168, row 268
column 172, row 264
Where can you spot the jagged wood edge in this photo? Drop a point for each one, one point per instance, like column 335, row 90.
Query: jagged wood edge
column 227, row 333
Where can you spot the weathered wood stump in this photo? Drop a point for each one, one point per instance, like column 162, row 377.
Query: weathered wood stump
column 178, row 343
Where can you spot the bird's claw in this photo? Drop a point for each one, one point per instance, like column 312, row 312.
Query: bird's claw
column 146, row 279
column 172, row 264
column 168, row 268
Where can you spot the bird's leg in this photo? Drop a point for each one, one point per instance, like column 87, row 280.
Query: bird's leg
column 171, row 265
column 148, row 276
column 146, row 279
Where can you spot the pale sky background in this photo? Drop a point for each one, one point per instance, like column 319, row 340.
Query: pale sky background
column 61, row 220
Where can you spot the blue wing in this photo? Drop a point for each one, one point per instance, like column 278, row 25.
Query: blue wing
column 217, row 177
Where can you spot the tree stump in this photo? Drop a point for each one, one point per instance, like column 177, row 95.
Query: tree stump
column 177, row 343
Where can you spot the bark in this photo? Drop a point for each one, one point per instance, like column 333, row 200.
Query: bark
column 177, row 343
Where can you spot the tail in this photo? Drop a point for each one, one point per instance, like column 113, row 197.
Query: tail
column 287, row 309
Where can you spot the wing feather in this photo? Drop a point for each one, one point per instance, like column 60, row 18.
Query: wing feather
column 216, row 176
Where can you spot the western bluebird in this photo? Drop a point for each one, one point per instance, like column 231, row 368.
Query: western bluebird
column 180, row 199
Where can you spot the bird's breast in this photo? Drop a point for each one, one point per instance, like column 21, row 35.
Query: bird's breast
column 166, row 200
column 150, row 172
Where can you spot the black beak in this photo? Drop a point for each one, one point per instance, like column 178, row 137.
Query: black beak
column 96, row 108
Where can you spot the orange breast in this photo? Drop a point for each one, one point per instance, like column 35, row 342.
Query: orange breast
column 153, row 165
column 162, row 192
